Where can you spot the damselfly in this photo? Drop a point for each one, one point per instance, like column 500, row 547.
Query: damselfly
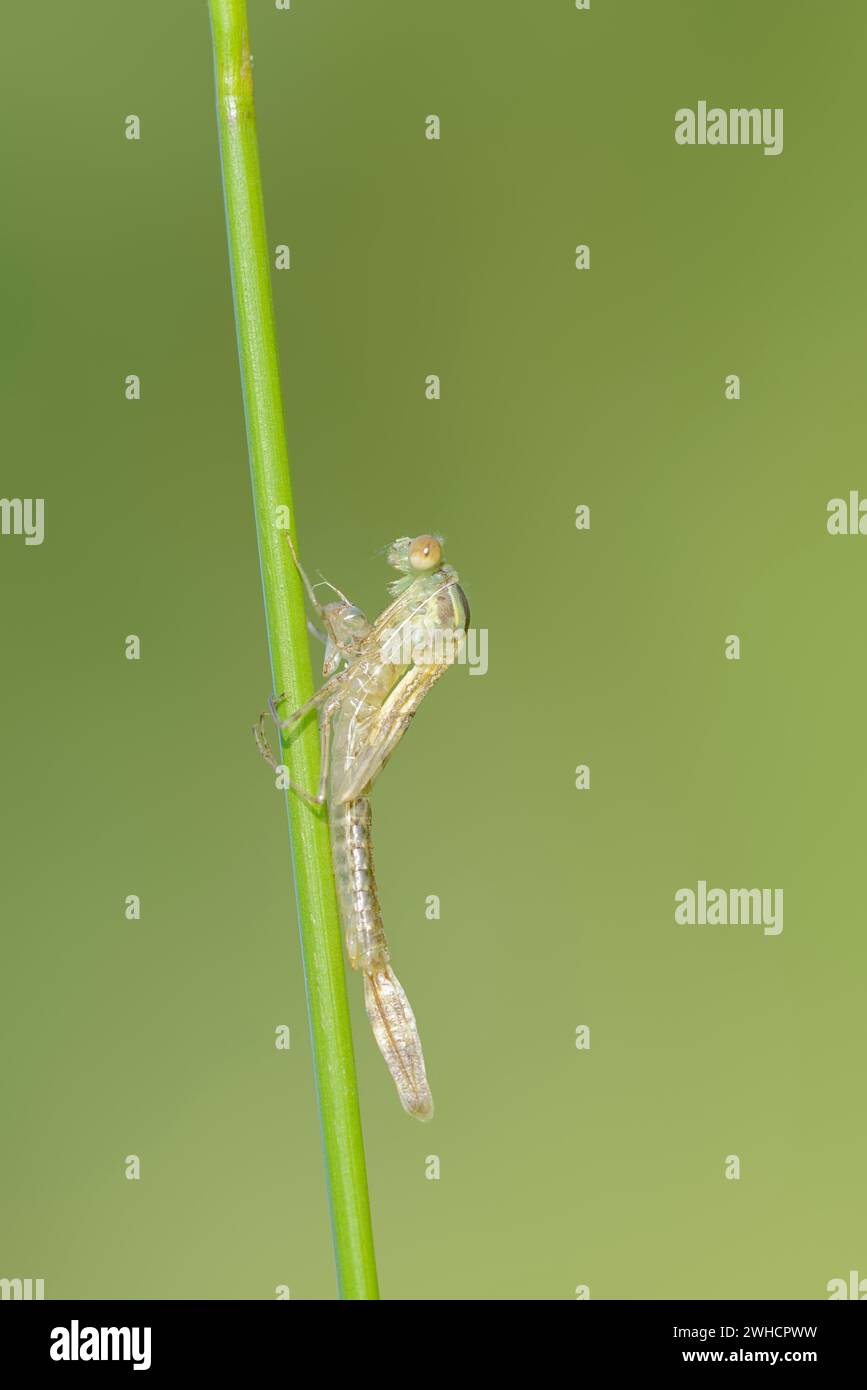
column 376, row 676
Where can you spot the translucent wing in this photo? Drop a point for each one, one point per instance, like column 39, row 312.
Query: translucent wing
column 377, row 738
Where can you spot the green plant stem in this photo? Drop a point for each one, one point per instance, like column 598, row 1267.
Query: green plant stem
column 333, row 1058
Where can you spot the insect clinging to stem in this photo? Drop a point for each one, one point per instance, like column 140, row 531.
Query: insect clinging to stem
column 376, row 676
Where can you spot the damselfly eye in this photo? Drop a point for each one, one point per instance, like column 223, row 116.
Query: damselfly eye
column 425, row 554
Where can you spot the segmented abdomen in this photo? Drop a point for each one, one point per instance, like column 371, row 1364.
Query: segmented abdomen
column 357, row 897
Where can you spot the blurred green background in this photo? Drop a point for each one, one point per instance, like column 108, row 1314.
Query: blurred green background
column 558, row 1167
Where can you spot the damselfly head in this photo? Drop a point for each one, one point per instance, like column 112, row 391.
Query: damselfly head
column 416, row 555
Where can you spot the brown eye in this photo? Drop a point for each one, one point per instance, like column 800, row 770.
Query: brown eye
column 425, row 554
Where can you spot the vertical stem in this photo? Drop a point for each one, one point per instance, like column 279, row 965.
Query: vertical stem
column 333, row 1059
